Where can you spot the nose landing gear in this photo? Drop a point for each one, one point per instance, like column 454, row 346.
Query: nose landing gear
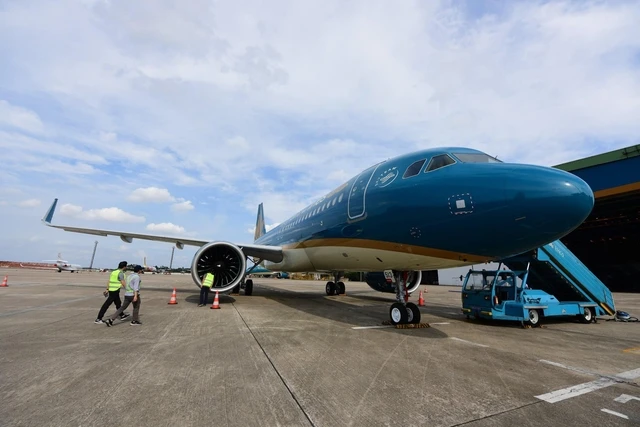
column 403, row 312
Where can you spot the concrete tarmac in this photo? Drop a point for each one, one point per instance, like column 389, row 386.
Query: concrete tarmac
column 291, row 356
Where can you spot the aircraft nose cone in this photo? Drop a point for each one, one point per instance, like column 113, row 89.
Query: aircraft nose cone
column 552, row 201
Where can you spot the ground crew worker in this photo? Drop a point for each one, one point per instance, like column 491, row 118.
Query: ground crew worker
column 131, row 295
column 207, row 282
column 116, row 281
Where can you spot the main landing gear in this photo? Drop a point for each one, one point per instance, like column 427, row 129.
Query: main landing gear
column 247, row 285
column 336, row 287
column 402, row 311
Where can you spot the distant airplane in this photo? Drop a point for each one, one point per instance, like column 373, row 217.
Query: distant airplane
column 259, row 270
column 431, row 209
column 148, row 268
column 61, row 264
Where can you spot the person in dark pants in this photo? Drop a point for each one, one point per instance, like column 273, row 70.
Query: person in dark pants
column 131, row 295
column 116, row 281
column 207, row 282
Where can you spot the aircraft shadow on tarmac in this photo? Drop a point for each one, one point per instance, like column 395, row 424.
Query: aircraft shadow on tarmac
column 336, row 309
column 332, row 308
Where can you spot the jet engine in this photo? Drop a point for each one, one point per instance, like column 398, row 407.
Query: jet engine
column 378, row 282
column 225, row 260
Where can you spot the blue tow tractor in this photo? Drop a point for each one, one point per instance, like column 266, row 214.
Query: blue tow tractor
column 505, row 295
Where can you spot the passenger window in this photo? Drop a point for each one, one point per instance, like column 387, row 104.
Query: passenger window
column 439, row 162
column 414, row 169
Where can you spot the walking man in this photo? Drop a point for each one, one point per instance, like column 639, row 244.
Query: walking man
column 205, row 288
column 131, row 295
column 116, row 281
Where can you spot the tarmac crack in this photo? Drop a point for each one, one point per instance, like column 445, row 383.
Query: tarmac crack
column 475, row 420
column 284, row 382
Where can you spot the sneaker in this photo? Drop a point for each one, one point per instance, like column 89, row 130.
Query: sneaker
column 98, row 321
column 108, row 322
column 200, row 305
column 124, row 316
column 135, row 322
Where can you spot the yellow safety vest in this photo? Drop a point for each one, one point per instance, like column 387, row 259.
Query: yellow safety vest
column 114, row 283
column 208, row 280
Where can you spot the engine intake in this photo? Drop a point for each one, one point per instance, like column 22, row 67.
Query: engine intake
column 225, row 260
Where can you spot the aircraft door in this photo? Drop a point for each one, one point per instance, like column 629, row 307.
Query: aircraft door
column 358, row 191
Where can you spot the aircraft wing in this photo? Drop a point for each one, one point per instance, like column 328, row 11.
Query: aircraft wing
column 271, row 253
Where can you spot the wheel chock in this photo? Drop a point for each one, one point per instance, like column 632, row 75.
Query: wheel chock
column 413, row 326
column 407, row 325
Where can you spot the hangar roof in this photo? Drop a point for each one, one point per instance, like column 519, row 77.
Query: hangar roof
column 600, row 159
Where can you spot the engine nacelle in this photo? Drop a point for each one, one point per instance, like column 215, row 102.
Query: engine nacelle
column 225, row 260
column 378, row 282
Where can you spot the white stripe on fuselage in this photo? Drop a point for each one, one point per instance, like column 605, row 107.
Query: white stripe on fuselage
column 346, row 258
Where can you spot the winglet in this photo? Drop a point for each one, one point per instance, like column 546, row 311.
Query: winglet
column 49, row 215
column 260, row 227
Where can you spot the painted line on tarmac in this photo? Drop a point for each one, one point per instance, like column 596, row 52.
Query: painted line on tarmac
column 468, row 342
column 624, row 398
column 617, row 414
column 584, row 388
column 11, row 313
column 439, row 323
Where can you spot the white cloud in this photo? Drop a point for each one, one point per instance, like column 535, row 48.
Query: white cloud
column 268, row 227
column 19, row 117
column 30, row 203
column 182, row 206
column 166, row 227
column 105, row 214
column 150, row 194
column 238, row 103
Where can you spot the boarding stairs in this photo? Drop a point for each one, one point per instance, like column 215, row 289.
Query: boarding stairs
column 554, row 269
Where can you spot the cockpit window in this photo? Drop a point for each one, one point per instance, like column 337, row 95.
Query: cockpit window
column 414, row 169
column 439, row 162
column 476, row 158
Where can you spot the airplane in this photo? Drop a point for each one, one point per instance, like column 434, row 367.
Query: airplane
column 148, row 268
column 61, row 265
column 431, row 209
column 258, row 270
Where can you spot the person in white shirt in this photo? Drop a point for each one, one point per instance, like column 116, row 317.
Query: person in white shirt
column 131, row 296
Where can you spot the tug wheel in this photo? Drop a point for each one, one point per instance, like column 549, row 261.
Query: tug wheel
column 534, row 317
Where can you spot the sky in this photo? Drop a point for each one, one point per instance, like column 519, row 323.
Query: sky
column 172, row 117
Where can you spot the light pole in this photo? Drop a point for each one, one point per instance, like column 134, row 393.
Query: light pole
column 95, row 246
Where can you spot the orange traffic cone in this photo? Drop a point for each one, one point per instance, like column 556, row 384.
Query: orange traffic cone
column 173, row 297
column 421, row 300
column 216, row 302
column 4, row 283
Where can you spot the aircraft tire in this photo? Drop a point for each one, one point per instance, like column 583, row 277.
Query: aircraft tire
column 398, row 314
column 413, row 313
column 248, row 287
column 330, row 288
column 340, row 288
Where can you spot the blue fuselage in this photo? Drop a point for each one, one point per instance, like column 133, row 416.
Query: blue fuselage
column 432, row 209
